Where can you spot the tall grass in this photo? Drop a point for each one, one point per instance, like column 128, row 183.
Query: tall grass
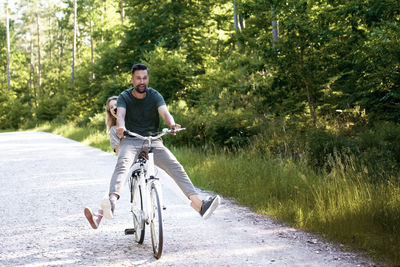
column 339, row 203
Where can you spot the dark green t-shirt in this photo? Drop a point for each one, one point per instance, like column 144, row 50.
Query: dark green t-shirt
column 141, row 114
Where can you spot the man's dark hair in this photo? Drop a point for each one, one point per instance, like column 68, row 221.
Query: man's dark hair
column 139, row 67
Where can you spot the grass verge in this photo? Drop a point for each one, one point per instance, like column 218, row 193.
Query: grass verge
column 340, row 206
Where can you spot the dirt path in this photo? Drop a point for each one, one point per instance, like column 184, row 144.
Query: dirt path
column 46, row 181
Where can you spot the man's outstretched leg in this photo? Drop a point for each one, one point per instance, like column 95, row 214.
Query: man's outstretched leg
column 168, row 162
column 205, row 207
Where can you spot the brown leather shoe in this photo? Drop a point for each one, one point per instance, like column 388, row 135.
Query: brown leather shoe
column 93, row 218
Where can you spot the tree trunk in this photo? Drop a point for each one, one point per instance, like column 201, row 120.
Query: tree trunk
column 241, row 22
column 121, row 4
column 103, row 19
column 32, row 85
column 38, row 40
column 61, row 53
column 28, row 81
column 51, row 40
column 74, row 45
column 238, row 22
column 235, row 19
column 91, row 48
column 275, row 30
column 8, row 48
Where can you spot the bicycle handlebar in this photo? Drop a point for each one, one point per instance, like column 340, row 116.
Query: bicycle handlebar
column 146, row 138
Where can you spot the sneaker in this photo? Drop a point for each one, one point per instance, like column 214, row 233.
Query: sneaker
column 108, row 206
column 209, row 205
column 93, row 218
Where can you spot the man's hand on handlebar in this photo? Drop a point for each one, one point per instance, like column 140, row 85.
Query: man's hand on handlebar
column 175, row 128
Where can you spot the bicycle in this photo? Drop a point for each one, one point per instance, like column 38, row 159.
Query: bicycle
column 146, row 195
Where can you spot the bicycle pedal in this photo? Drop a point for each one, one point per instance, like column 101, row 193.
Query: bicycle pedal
column 129, row 231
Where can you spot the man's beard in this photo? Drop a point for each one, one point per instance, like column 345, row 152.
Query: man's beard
column 141, row 91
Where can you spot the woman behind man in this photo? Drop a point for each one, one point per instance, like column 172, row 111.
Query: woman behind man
column 111, row 124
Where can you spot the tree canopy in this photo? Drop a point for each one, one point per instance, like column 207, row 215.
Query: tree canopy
column 217, row 57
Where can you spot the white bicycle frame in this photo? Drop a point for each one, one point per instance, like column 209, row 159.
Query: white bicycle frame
column 147, row 178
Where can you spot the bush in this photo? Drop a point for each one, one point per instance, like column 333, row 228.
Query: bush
column 370, row 149
column 49, row 107
column 379, row 148
column 13, row 113
column 321, row 144
column 230, row 129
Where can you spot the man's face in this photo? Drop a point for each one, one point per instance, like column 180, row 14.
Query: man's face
column 140, row 80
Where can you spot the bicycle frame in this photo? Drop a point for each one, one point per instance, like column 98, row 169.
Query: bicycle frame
column 145, row 180
column 147, row 189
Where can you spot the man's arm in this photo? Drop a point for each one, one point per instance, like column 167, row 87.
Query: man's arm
column 121, row 121
column 167, row 117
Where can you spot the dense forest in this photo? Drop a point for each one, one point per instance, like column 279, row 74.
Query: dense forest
column 313, row 81
column 290, row 71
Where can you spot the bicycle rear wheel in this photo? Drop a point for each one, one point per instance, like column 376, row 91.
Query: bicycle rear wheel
column 156, row 223
column 137, row 211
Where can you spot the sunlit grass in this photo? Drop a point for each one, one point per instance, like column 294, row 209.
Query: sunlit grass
column 340, row 206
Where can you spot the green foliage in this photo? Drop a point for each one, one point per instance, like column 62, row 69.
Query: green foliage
column 372, row 149
column 13, row 113
column 218, row 109
column 169, row 72
column 175, row 25
column 50, row 107
column 207, row 128
column 330, row 55
column 380, row 149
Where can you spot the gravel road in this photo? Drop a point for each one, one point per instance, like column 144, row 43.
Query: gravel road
column 47, row 180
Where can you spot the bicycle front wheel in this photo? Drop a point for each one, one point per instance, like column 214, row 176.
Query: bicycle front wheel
column 137, row 211
column 156, row 222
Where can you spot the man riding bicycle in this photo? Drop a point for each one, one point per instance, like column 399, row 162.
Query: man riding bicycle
column 138, row 110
